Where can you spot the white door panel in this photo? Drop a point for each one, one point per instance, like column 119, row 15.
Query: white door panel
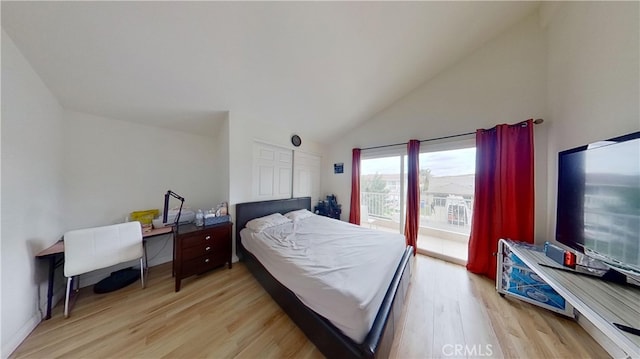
column 306, row 176
column 272, row 168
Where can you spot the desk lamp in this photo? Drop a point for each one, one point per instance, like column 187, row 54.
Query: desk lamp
column 166, row 207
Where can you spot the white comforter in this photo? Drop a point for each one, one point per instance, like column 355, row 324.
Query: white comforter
column 339, row 270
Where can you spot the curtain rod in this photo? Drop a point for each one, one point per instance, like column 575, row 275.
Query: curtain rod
column 536, row 122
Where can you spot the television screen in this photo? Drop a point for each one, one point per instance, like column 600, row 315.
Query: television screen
column 599, row 201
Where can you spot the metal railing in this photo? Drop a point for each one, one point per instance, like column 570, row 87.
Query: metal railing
column 381, row 205
column 448, row 212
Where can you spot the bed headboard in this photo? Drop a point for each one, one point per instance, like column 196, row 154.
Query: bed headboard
column 250, row 210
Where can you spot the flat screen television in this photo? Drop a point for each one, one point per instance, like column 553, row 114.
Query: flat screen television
column 598, row 210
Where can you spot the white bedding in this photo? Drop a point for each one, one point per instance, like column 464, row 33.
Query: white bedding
column 339, row 270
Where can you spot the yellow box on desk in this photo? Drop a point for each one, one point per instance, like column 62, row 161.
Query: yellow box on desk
column 144, row 217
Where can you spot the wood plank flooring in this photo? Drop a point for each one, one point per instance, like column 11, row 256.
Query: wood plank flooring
column 450, row 313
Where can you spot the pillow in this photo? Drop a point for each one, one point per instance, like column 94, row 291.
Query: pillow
column 299, row 214
column 260, row 224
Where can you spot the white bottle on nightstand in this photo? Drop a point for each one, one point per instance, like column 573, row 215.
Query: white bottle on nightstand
column 199, row 218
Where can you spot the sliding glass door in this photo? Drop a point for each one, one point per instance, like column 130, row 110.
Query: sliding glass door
column 447, row 183
column 447, row 180
column 382, row 184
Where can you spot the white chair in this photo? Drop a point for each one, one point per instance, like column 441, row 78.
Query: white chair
column 364, row 217
column 89, row 249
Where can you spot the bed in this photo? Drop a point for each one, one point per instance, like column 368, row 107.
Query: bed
column 330, row 340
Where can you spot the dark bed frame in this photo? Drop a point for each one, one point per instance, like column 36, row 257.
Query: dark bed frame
column 329, row 340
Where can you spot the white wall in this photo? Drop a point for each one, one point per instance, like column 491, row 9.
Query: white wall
column 32, row 194
column 502, row 82
column 115, row 167
column 221, row 180
column 593, row 77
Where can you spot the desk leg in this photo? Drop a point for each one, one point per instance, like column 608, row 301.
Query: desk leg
column 173, row 261
column 52, row 271
column 144, row 246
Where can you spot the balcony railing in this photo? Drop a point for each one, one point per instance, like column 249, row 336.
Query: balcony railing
column 377, row 204
column 450, row 212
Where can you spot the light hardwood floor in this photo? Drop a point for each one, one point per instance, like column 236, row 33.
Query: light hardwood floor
column 449, row 313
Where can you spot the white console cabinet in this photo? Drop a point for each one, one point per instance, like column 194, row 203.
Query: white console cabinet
column 521, row 275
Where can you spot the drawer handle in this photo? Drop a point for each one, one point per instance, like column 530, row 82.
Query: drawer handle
column 207, row 238
column 207, row 249
column 206, row 260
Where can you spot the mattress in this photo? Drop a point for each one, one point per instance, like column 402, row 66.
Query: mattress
column 339, row 270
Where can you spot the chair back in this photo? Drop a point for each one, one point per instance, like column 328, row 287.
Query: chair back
column 95, row 248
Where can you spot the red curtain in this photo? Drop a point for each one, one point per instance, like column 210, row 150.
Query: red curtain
column 354, row 212
column 504, row 193
column 412, row 221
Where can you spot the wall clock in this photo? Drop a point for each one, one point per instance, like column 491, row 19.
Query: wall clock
column 296, row 141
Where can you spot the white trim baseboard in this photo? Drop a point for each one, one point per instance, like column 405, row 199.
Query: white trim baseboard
column 21, row 335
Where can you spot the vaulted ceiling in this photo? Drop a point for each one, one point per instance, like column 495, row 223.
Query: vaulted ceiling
column 315, row 68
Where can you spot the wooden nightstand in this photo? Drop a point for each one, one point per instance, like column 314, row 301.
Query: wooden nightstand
column 199, row 249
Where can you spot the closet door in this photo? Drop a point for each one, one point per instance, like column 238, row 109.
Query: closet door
column 306, row 176
column 272, row 171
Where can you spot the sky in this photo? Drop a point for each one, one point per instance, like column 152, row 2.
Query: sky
column 442, row 163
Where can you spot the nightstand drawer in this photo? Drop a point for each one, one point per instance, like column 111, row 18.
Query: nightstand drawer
column 209, row 247
column 199, row 249
column 203, row 263
column 202, row 238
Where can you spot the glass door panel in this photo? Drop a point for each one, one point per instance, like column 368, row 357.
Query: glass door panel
column 381, row 193
column 447, row 184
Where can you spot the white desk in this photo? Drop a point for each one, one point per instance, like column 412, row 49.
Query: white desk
column 602, row 303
